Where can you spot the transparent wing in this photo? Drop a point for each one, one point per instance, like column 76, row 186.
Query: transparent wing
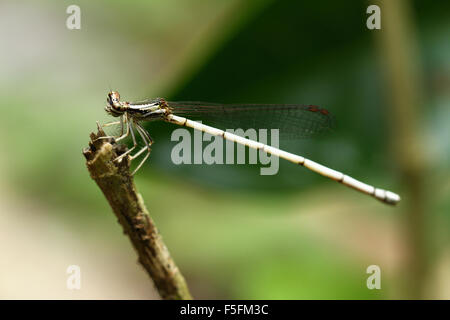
column 293, row 121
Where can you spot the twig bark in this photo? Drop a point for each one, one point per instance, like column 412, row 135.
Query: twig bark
column 117, row 185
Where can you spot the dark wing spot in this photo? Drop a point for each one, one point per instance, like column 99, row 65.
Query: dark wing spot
column 313, row 108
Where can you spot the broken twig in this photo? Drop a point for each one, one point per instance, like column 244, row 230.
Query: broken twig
column 117, row 185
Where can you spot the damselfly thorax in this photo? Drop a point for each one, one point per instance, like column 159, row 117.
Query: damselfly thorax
column 142, row 111
column 292, row 120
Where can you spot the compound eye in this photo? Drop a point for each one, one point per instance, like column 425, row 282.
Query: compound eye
column 113, row 98
column 115, row 95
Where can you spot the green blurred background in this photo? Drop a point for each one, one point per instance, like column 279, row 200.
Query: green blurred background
column 233, row 233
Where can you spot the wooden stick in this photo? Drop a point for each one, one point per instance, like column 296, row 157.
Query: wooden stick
column 117, row 185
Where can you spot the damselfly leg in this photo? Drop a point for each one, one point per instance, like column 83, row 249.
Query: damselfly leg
column 129, row 130
column 148, row 142
column 131, row 125
column 110, row 124
column 121, row 122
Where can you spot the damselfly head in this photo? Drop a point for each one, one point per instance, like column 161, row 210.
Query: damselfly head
column 114, row 107
column 113, row 99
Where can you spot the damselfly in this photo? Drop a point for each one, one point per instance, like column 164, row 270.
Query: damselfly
column 292, row 120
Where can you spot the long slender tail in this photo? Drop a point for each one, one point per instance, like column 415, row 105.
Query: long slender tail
column 380, row 194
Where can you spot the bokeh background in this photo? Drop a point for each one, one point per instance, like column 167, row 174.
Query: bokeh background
column 233, row 232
